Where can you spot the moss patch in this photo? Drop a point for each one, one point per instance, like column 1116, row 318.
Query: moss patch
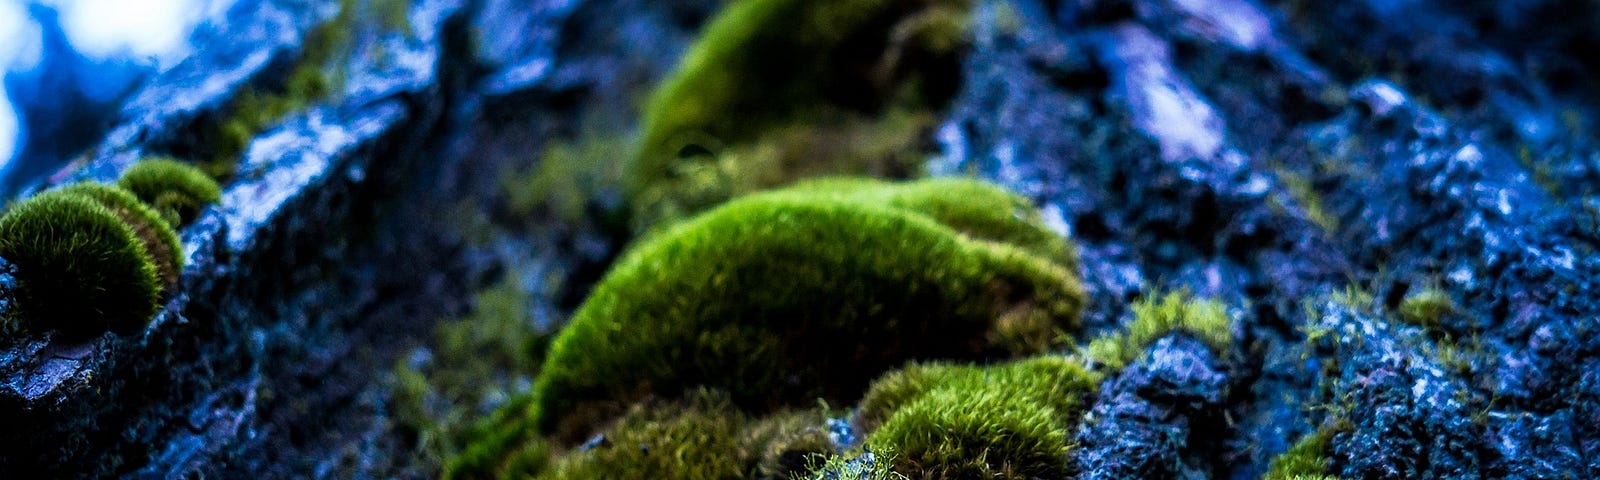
column 1426, row 308
column 702, row 436
column 1156, row 317
column 1009, row 421
column 1306, row 460
column 174, row 189
column 473, row 366
column 81, row 269
column 787, row 297
column 776, row 90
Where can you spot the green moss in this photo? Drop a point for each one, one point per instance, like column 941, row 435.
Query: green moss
column 862, row 466
column 1306, row 460
column 1301, row 189
column 701, row 437
column 175, row 189
column 1426, row 308
column 159, row 240
column 80, row 268
column 787, row 297
column 790, row 441
column 1009, row 421
column 1153, row 318
column 473, row 364
column 978, row 209
column 564, row 180
column 777, row 90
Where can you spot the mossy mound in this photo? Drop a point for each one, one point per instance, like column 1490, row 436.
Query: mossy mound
column 777, row 90
column 981, row 210
column 174, row 189
column 700, row 437
column 1157, row 316
column 794, row 295
column 1007, row 421
column 160, row 241
column 82, row 268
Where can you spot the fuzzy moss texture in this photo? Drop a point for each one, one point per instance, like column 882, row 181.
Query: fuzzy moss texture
column 944, row 308
column 776, row 90
column 93, row 257
column 809, row 269
column 174, row 189
column 89, row 258
column 780, row 298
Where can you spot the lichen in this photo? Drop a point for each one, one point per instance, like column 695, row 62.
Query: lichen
column 777, row 90
column 1157, row 316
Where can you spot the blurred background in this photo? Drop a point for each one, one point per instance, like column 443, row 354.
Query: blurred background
column 67, row 65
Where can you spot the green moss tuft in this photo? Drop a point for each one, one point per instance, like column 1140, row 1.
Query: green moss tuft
column 865, row 466
column 981, row 210
column 1306, row 460
column 703, row 436
column 828, row 290
column 777, row 90
column 160, row 241
column 1009, row 421
column 1426, row 308
column 1153, row 318
column 175, row 189
column 81, row 269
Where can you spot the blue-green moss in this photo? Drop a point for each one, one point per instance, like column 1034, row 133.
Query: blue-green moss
column 174, row 189
column 1007, row 421
column 777, row 90
column 1156, row 317
column 81, row 269
column 790, row 296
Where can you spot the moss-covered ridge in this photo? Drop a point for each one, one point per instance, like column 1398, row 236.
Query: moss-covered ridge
column 788, row 296
column 776, row 90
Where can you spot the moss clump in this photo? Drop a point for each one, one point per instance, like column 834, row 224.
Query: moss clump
column 1306, row 460
column 160, row 241
column 826, row 292
column 1426, row 308
column 701, row 437
column 1009, row 421
column 865, row 466
column 776, row 90
column 81, row 269
column 175, row 189
column 1153, row 318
